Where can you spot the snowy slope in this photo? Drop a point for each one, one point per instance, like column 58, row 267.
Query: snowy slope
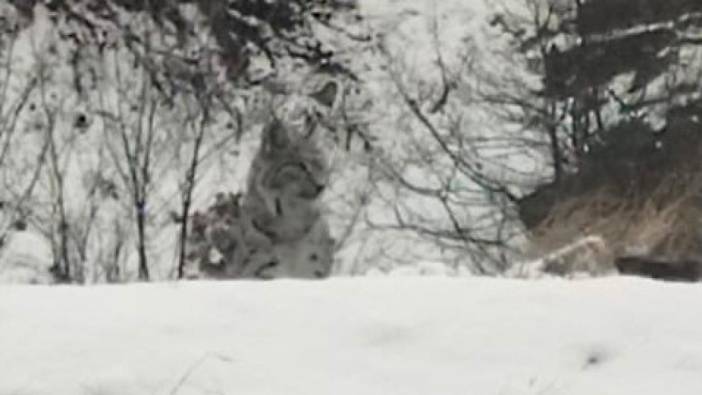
column 354, row 336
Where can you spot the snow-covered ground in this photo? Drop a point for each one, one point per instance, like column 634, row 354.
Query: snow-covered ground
column 381, row 336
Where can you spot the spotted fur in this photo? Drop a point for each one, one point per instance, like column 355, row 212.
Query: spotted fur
column 277, row 228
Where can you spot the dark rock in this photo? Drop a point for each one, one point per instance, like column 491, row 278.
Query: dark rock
column 662, row 269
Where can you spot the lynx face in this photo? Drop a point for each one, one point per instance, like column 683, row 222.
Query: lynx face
column 285, row 180
column 286, row 167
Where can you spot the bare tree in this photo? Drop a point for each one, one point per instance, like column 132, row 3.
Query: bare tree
column 136, row 133
column 19, row 178
column 450, row 182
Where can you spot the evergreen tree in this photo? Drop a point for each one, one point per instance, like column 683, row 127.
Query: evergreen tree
column 618, row 76
column 621, row 108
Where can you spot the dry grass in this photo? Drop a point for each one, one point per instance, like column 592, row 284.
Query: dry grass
column 662, row 222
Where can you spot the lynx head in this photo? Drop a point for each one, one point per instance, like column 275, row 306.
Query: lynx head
column 287, row 167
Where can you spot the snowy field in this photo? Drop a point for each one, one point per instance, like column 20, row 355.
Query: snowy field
column 382, row 336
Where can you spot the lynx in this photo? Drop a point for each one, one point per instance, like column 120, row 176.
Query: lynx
column 276, row 229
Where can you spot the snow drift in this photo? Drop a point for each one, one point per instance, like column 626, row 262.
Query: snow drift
column 384, row 336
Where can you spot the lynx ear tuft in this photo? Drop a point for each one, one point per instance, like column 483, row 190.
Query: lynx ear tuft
column 275, row 137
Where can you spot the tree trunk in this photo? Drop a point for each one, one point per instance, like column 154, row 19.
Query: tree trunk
column 141, row 242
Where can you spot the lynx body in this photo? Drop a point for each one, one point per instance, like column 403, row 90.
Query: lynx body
column 277, row 228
